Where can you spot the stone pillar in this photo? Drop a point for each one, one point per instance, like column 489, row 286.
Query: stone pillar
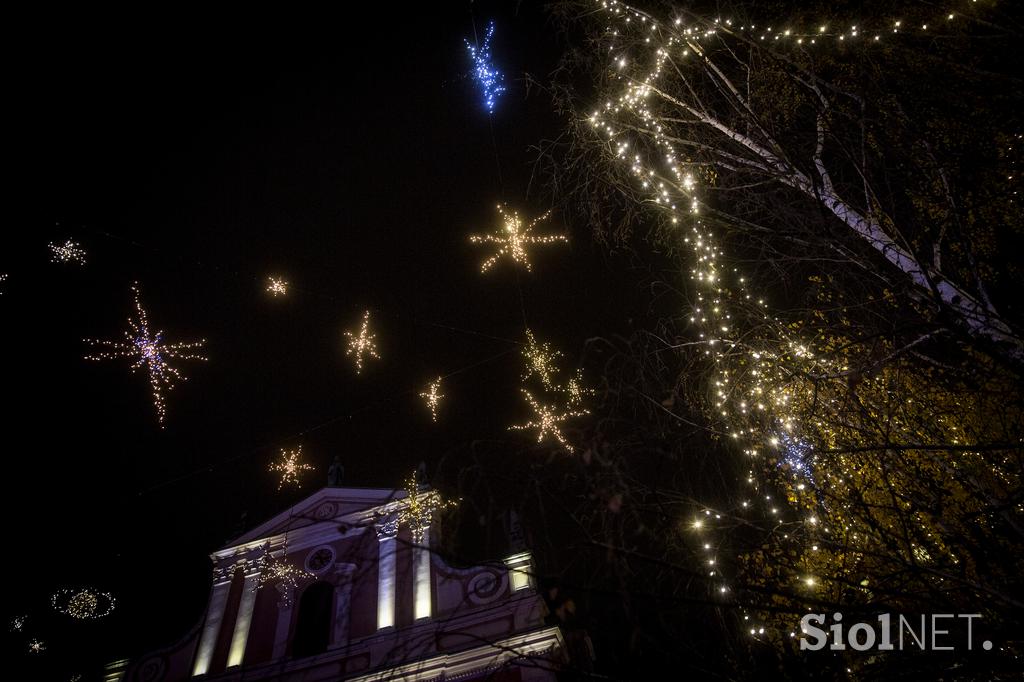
column 342, row 601
column 214, row 616
column 284, row 625
column 244, row 618
column 387, row 533
column 421, row 593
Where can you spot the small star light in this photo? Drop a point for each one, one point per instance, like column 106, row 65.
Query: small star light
column 420, row 507
column 83, row 604
column 289, row 467
column 362, row 344
column 68, row 252
column 36, row 646
column 540, row 360
column 277, row 286
column 547, row 421
column 279, row 572
column 148, row 351
column 513, row 238
column 575, row 391
column 18, row 623
column 433, row 397
column 484, row 71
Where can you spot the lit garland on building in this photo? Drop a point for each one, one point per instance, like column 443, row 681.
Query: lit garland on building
column 547, row 420
column 513, row 238
column 484, row 71
column 277, row 286
column 419, row 507
column 68, row 252
column 83, row 604
column 362, row 344
column 290, row 468
column 148, row 351
column 432, row 396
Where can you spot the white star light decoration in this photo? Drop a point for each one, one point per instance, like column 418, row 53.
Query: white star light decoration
column 68, row 252
column 362, row 344
column 541, row 360
column 289, row 467
column 36, row 646
column 279, row 572
column 148, row 351
column 512, row 239
column 433, row 397
column 547, row 421
column 277, row 286
column 484, row 71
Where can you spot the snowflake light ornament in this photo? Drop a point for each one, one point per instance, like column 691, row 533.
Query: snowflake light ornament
column 148, row 351
column 513, row 239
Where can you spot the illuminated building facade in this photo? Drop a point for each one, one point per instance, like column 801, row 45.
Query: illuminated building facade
column 352, row 597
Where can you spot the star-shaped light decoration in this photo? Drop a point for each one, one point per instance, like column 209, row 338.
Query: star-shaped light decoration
column 289, row 467
column 36, row 646
column 575, row 391
column 512, row 239
column 362, row 344
column 148, row 351
column 277, row 286
column 547, row 421
column 541, row 359
column 277, row 571
column 18, row 623
column 420, row 506
column 433, row 397
column 68, row 252
column 484, row 71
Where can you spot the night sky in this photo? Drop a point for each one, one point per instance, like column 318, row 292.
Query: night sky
column 197, row 154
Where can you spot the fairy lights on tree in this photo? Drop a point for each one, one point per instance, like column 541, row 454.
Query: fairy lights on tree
column 362, row 343
column 485, row 73
column 68, row 252
column 277, row 286
column 852, row 436
column 433, row 396
column 513, row 239
column 290, row 468
column 83, row 604
column 148, row 351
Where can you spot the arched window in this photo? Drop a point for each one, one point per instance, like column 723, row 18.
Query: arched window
column 313, row 629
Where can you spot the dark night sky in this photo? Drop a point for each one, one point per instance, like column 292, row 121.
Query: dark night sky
column 197, row 154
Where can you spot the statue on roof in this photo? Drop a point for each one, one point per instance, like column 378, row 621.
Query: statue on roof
column 335, row 473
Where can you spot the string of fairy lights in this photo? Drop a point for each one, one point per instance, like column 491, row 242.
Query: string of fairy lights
column 755, row 386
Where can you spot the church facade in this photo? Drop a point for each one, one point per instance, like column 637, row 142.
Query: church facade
column 339, row 588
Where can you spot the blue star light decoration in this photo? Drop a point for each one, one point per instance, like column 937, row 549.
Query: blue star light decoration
column 484, row 71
